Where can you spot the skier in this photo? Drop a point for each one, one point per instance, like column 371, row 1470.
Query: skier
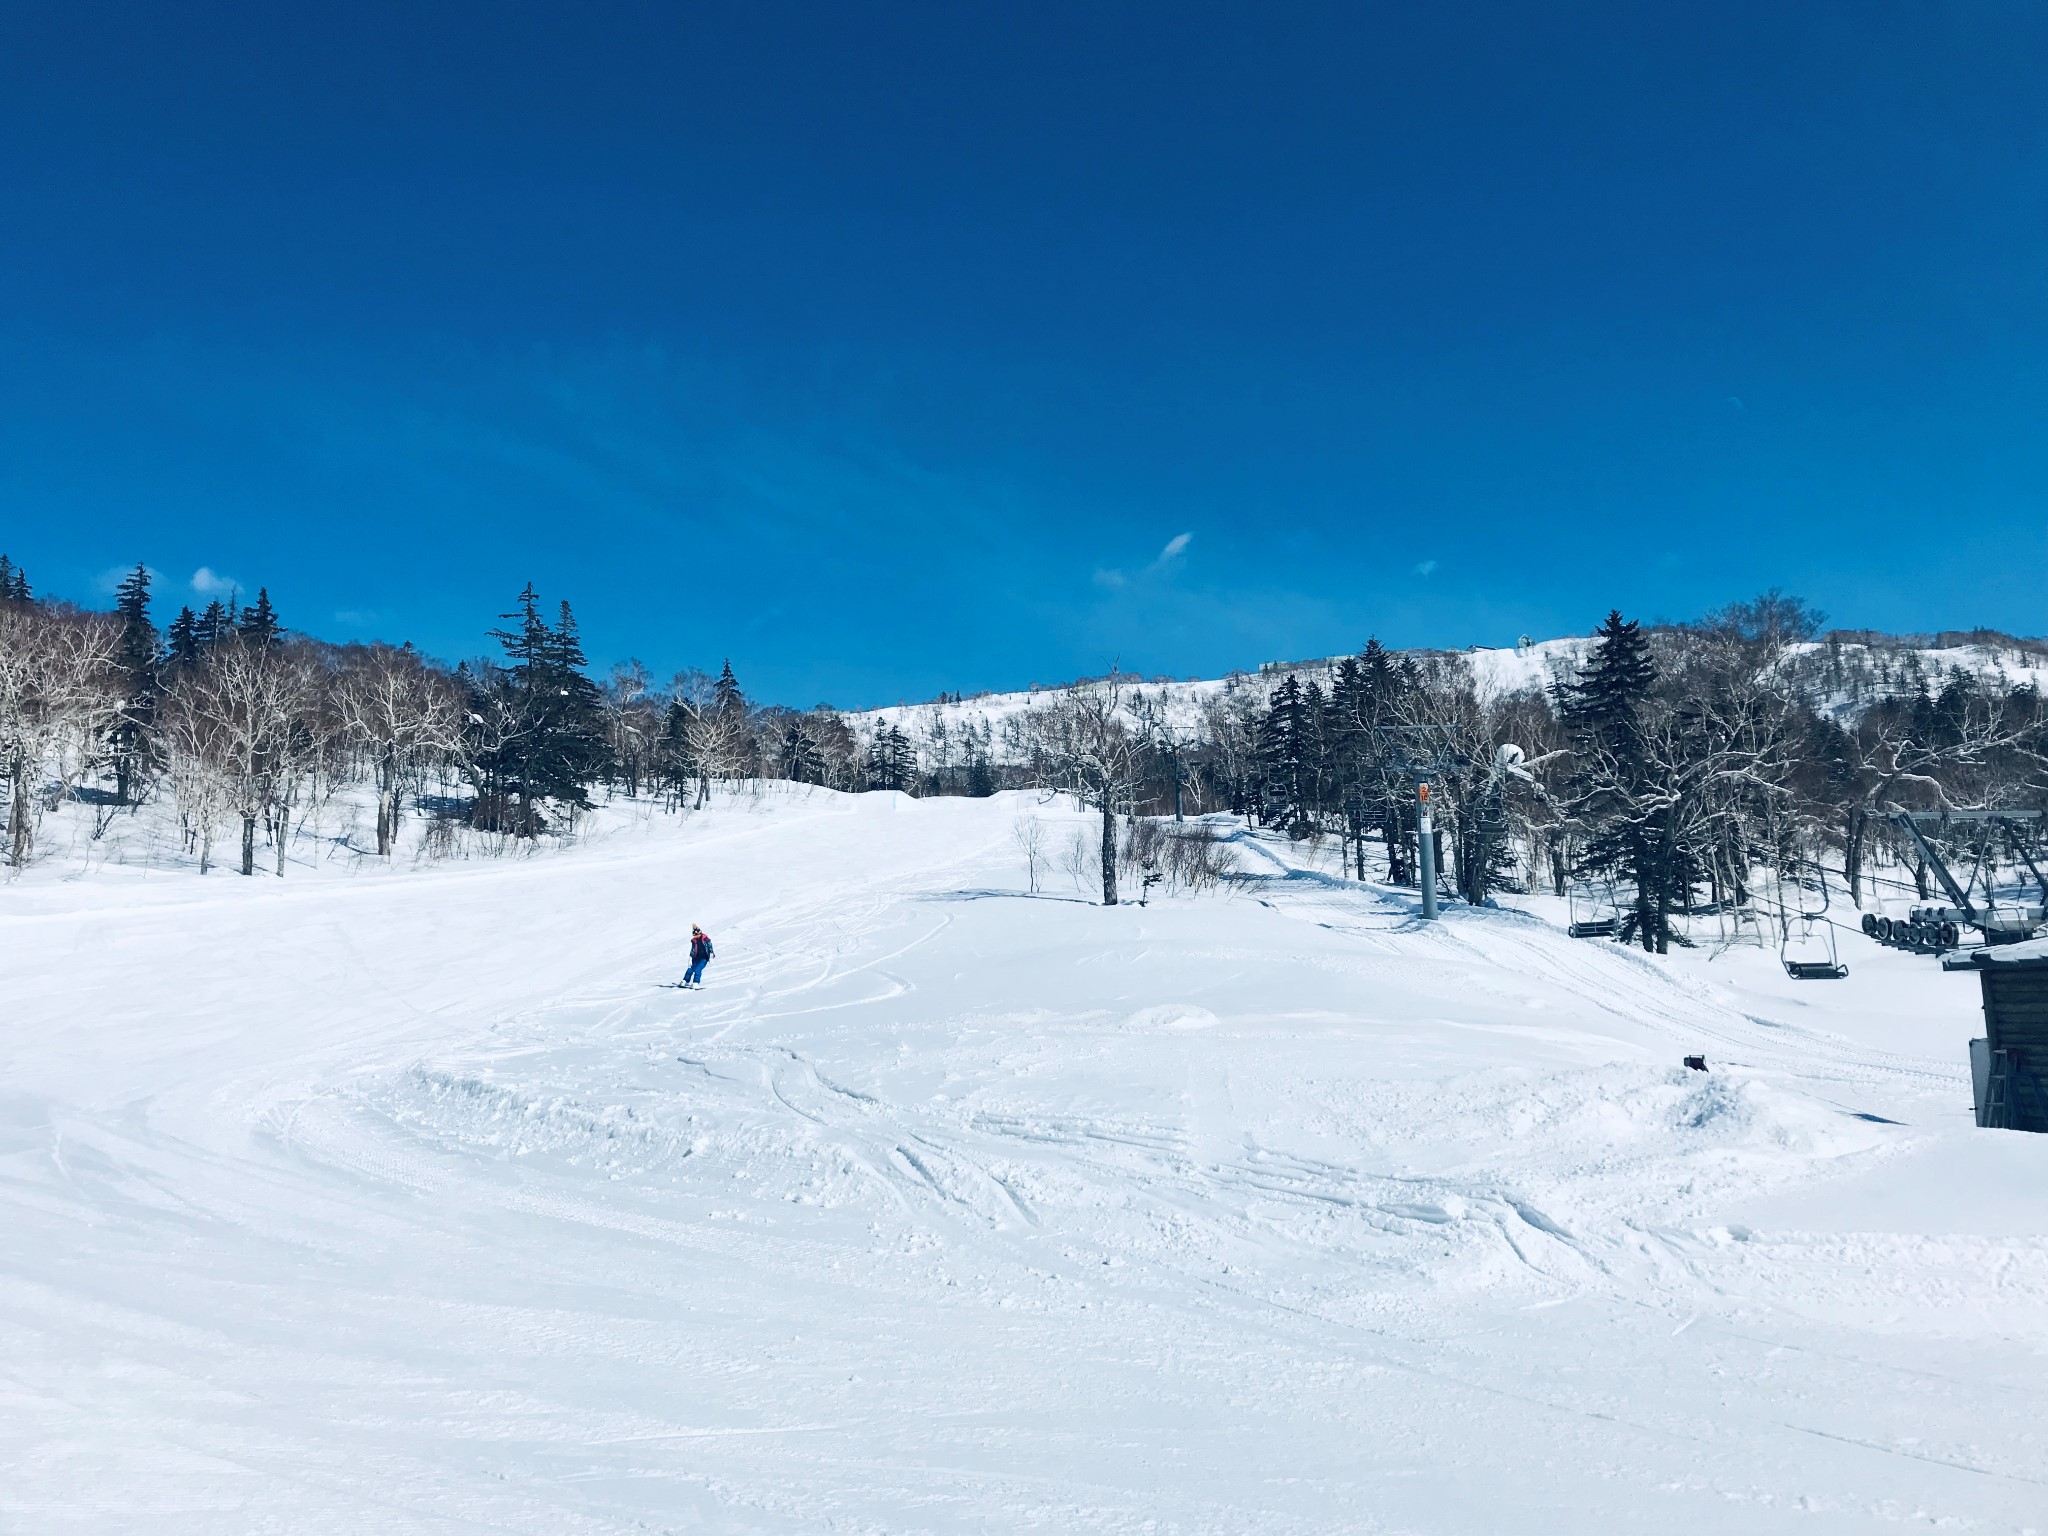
column 700, row 956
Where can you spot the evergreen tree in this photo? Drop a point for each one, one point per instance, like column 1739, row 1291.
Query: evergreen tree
column 1347, row 738
column 727, row 698
column 1376, row 671
column 258, row 620
column 13, row 582
column 1311, row 790
column 578, row 746
column 138, row 634
column 676, row 756
column 217, row 619
column 892, row 761
column 1381, row 687
column 556, row 746
column 183, row 647
column 1608, row 698
column 1616, row 796
column 801, row 759
column 880, row 768
column 1289, row 747
column 130, row 739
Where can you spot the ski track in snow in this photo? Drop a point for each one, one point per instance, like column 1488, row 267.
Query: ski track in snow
column 427, row 1204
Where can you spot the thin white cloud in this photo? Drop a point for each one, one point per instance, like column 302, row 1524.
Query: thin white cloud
column 1174, row 549
column 1425, row 568
column 208, row 582
column 1115, row 578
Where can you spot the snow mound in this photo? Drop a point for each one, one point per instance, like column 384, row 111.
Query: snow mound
column 467, row 1111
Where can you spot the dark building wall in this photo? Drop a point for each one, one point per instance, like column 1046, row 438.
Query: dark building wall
column 2016, row 1011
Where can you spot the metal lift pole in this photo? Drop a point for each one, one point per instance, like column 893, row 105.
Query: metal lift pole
column 2021, row 849
column 1425, row 851
column 1948, row 881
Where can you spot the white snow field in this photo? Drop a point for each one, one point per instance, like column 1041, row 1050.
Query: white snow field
column 417, row 1202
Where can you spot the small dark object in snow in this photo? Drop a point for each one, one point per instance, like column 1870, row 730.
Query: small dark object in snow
column 1697, row 1063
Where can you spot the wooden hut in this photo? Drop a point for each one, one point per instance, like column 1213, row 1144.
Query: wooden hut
column 2008, row 1065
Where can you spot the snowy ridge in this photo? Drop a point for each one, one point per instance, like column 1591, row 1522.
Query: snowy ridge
column 1848, row 676
column 1496, row 671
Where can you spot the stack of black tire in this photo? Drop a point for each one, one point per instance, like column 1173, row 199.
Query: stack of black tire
column 1902, row 933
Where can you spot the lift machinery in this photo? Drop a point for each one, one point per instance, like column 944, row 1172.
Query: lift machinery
column 1931, row 928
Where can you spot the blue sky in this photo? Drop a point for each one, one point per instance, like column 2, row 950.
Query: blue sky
column 890, row 349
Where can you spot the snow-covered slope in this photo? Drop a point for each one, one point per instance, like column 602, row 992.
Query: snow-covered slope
column 421, row 1203
column 1495, row 671
column 1846, row 676
column 988, row 712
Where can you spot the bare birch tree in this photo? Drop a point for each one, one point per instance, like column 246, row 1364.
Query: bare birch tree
column 632, row 722
column 242, row 709
column 1088, row 749
column 403, row 714
column 714, row 734
column 60, row 693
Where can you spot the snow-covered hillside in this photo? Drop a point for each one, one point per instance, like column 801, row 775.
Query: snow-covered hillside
column 1496, row 671
column 1846, row 675
column 422, row 1203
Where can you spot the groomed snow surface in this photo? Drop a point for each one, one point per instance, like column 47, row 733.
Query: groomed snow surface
column 421, row 1202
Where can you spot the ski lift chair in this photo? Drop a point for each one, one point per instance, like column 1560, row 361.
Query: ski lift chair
column 1808, row 952
column 1807, row 939
column 1593, row 915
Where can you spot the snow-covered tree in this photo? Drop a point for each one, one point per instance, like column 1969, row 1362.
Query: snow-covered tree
column 61, row 691
column 1088, row 748
column 403, row 714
